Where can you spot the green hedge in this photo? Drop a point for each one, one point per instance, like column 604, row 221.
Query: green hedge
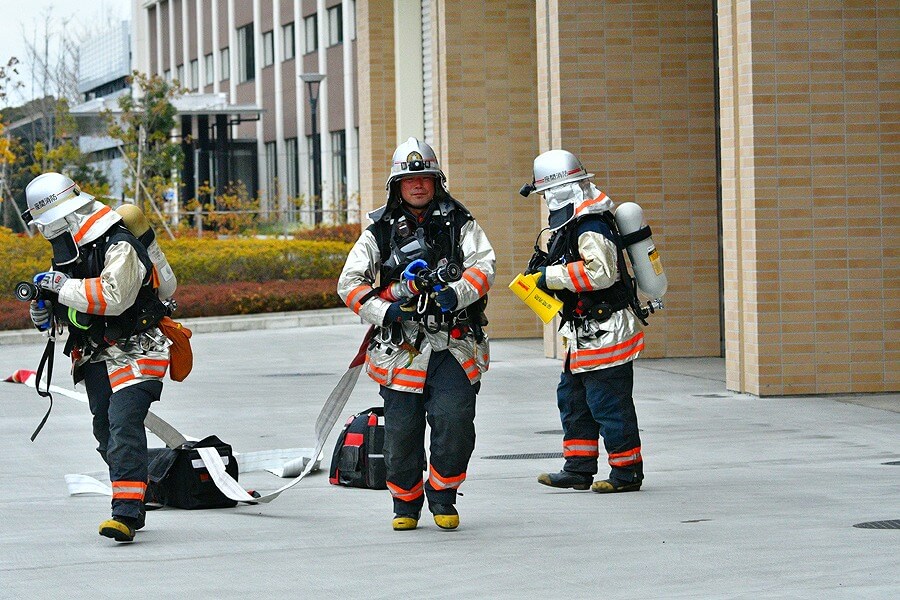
column 198, row 260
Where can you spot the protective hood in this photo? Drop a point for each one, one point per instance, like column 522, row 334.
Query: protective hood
column 575, row 199
column 77, row 229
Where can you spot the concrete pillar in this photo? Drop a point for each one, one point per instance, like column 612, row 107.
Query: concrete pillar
column 351, row 143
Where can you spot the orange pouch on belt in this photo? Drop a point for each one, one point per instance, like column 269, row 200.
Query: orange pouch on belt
column 181, row 357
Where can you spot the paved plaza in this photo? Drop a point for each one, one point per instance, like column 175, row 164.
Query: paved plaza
column 743, row 497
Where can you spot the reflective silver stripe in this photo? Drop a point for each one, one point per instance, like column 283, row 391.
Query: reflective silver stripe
column 127, row 489
column 586, row 447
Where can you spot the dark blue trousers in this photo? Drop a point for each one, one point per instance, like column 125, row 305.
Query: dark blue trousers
column 119, row 429
column 448, row 406
column 599, row 403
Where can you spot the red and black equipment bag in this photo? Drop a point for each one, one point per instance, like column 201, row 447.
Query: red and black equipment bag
column 358, row 459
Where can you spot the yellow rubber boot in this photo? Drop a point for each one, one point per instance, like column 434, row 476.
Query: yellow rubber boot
column 404, row 522
column 445, row 516
column 610, row 487
column 117, row 530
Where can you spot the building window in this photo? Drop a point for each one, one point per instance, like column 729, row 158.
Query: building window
column 208, row 65
column 271, row 169
column 312, row 33
column 292, row 178
column 314, row 205
column 335, row 26
column 287, row 36
column 246, row 59
column 179, row 74
column 268, row 42
column 339, row 166
column 195, row 74
column 225, row 63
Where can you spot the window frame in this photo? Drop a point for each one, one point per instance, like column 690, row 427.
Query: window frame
column 312, row 41
column 288, row 46
column 268, row 44
column 246, row 53
column 335, row 31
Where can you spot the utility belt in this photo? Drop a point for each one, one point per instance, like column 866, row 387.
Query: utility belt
column 91, row 334
column 597, row 306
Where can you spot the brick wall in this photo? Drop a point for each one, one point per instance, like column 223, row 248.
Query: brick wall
column 810, row 186
column 630, row 90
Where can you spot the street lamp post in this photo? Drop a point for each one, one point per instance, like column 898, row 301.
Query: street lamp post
column 312, row 85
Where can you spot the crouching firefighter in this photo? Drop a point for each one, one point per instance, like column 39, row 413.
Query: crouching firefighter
column 585, row 268
column 103, row 286
column 435, row 266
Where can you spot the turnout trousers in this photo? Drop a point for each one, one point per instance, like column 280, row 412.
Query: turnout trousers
column 448, row 406
column 119, row 430
column 599, row 403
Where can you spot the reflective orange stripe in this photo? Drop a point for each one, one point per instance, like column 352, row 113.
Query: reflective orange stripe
column 120, row 376
column 93, row 290
column 354, row 298
column 601, row 356
column 153, row 367
column 406, row 495
column 596, row 200
column 409, row 378
column 589, row 448
column 471, row 369
column 579, row 277
column 444, row 483
column 87, row 225
column 129, row 490
column 623, row 459
column 478, row 279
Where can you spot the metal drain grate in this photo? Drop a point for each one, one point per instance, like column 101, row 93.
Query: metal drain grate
column 298, row 374
column 550, row 432
column 893, row 462
column 711, row 396
column 532, row 456
column 892, row 524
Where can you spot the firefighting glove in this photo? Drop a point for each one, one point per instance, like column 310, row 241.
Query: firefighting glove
column 446, row 299
column 40, row 314
column 399, row 311
column 51, row 281
column 542, row 279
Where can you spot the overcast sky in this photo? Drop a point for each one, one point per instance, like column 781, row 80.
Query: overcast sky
column 22, row 18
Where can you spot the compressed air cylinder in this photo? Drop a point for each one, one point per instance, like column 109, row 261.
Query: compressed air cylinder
column 645, row 262
column 134, row 219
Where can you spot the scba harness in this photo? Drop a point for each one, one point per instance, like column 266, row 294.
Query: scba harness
column 402, row 239
column 92, row 333
column 597, row 305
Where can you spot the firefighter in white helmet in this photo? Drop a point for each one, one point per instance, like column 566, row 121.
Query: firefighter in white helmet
column 101, row 286
column 584, row 267
column 431, row 348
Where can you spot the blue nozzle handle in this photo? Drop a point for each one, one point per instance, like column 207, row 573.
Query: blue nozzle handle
column 414, row 267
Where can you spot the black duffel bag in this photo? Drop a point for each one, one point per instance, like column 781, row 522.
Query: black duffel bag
column 178, row 478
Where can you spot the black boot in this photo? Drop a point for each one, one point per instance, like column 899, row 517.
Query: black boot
column 566, row 479
column 445, row 515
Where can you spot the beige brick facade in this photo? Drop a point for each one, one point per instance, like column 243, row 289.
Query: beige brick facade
column 809, row 121
column 808, row 114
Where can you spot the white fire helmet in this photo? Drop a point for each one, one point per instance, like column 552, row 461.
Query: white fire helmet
column 51, row 197
column 414, row 158
column 556, row 167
